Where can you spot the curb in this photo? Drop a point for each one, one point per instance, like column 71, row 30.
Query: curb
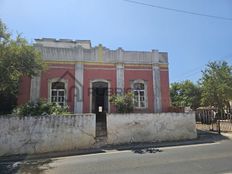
column 203, row 138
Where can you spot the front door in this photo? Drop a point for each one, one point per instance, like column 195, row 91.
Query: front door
column 100, row 106
column 99, row 97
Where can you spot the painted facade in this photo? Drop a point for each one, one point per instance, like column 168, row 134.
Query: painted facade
column 83, row 77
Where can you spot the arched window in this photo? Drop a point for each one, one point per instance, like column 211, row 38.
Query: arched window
column 139, row 91
column 58, row 93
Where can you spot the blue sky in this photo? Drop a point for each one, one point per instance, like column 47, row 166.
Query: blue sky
column 191, row 41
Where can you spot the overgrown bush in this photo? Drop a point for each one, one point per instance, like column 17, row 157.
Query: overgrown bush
column 42, row 107
column 123, row 103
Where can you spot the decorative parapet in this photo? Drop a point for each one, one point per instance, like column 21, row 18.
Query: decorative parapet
column 63, row 43
column 81, row 50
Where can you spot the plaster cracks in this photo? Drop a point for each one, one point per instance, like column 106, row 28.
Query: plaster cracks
column 127, row 128
column 46, row 134
column 41, row 134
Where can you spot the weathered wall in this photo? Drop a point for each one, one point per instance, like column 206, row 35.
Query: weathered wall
column 141, row 73
column 125, row 128
column 97, row 72
column 61, row 133
column 164, row 84
column 59, row 72
column 46, row 134
column 24, row 90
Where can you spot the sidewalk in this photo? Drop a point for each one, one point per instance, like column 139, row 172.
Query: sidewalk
column 203, row 137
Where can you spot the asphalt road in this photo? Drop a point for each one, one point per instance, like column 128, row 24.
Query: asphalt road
column 199, row 158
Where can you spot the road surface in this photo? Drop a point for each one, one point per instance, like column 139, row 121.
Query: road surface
column 200, row 158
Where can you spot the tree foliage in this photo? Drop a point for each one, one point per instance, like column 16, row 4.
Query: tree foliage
column 123, row 103
column 216, row 84
column 17, row 59
column 185, row 94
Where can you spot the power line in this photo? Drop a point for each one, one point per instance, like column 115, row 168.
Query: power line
column 198, row 69
column 179, row 10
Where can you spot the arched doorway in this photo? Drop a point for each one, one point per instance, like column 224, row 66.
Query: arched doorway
column 100, row 105
column 99, row 96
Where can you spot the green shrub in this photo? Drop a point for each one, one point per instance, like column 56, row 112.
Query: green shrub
column 42, row 107
column 123, row 103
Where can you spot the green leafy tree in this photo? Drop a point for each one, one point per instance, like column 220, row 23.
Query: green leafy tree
column 17, row 59
column 185, row 94
column 123, row 103
column 216, row 84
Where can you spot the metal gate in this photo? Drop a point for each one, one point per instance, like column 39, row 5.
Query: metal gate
column 214, row 120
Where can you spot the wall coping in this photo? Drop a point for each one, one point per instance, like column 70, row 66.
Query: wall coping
column 47, row 116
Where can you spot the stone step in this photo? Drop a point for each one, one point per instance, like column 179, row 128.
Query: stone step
column 100, row 128
column 101, row 141
column 101, row 133
column 100, row 125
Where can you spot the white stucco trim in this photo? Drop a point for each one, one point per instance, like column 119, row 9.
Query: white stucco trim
column 50, row 81
column 145, row 91
column 120, row 77
column 78, row 99
column 156, row 88
column 35, row 88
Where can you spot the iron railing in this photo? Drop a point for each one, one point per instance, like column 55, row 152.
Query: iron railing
column 214, row 120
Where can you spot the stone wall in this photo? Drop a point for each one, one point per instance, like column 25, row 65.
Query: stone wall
column 61, row 133
column 46, row 134
column 126, row 128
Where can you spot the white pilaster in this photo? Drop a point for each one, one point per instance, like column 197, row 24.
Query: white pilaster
column 78, row 100
column 120, row 55
column 35, row 88
column 156, row 81
column 156, row 88
column 120, row 78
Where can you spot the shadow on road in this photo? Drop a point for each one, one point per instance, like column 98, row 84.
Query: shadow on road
column 210, row 136
column 26, row 167
column 146, row 150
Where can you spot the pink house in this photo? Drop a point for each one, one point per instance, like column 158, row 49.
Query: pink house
column 83, row 77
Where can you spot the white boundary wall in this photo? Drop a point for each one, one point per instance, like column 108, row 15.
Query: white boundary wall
column 126, row 128
column 41, row 134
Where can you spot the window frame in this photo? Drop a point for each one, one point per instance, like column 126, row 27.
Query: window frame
column 50, row 90
column 139, row 91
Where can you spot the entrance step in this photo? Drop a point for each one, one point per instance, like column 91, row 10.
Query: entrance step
column 100, row 124
column 101, row 141
column 101, row 133
column 101, row 129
